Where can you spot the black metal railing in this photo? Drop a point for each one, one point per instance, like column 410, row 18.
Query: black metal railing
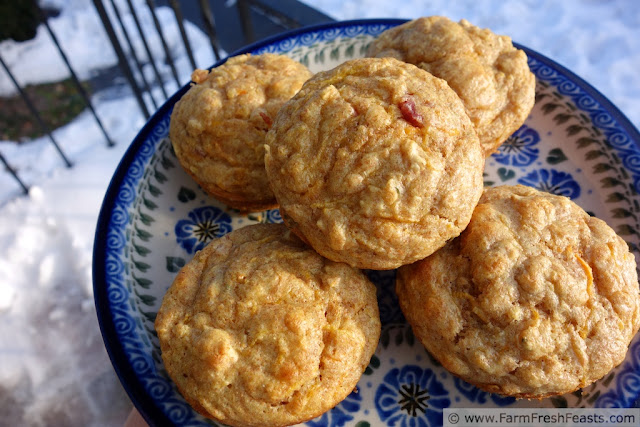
column 244, row 22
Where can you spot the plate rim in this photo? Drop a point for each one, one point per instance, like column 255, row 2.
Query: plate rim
column 130, row 381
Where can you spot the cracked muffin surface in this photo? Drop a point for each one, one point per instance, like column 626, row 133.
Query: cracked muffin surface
column 218, row 127
column 258, row 329
column 489, row 74
column 535, row 298
column 375, row 163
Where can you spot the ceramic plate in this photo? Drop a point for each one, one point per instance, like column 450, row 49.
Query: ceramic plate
column 154, row 218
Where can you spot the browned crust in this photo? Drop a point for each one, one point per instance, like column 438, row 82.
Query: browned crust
column 218, row 127
column 535, row 298
column 260, row 330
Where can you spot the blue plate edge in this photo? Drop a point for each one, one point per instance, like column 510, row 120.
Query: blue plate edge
column 147, row 407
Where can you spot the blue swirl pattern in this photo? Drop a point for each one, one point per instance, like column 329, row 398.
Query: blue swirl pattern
column 325, row 35
column 119, row 296
column 626, row 149
column 273, row 216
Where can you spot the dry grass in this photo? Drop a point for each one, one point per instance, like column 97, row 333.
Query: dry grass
column 57, row 103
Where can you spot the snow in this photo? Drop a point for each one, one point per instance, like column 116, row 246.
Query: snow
column 53, row 366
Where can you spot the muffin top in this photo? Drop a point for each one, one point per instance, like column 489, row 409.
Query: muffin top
column 258, row 329
column 375, row 163
column 489, row 74
column 218, row 127
column 534, row 298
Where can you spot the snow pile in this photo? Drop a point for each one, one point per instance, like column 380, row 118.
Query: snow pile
column 81, row 34
column 54, row 369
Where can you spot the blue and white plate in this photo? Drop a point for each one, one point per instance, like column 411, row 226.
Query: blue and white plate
column 154, row 218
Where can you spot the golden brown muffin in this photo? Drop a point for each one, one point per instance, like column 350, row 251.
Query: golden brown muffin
column 375, row 163
column 534, row 298
column 218, row 127
column 260, row 330
column 489, row 74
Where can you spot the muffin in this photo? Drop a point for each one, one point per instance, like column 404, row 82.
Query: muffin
column 489, row 74
column 218, row 127
column 375, row 163
column 260, row 330
column 535, row 298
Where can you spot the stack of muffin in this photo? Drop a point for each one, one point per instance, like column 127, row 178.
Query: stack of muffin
column 378, row 164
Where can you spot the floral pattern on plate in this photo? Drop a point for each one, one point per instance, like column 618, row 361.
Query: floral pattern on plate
column 202, row 226
column 520, row 149
column 154, row 218
column 411, row 392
